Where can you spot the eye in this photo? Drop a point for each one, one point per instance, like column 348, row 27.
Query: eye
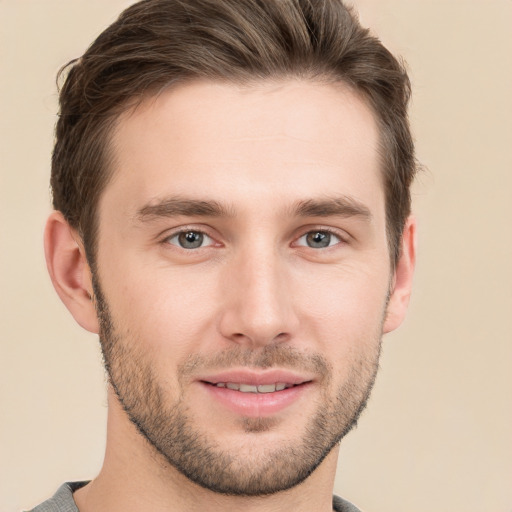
column 318, row 239
column 190, row 239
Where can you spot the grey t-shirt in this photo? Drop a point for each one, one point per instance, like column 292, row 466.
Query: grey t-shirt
column 62, row 501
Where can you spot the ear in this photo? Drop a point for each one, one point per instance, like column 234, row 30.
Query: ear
column 402, row 279
column 69, row 270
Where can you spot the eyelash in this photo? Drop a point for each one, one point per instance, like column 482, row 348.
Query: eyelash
column 184, row 231
column 341, row 239
column 321, row 230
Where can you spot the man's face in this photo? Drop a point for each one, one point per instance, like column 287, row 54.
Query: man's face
column 242, row 250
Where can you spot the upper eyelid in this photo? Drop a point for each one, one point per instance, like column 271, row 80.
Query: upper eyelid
column 171, row 232
column 343, row 235
column 341, row 240
column 166, row 240
column 340, row 233
column 330, row 231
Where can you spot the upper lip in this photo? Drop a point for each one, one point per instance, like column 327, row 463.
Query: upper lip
column 257, row 378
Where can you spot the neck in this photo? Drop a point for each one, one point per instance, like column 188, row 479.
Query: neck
column 134, row 477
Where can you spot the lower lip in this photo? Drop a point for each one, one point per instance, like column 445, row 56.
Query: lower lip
column 256, row 405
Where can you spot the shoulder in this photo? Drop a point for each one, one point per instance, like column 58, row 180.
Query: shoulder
column 341, row 505
column 62, row 500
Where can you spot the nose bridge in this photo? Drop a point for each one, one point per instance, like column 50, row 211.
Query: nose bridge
column 258, row 307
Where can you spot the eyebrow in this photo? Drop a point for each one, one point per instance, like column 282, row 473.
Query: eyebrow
column 342, row 206
column 176, row 206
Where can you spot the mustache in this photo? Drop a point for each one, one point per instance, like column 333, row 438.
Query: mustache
column 270, row 356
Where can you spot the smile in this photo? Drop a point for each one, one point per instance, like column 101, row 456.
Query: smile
column 250, row 388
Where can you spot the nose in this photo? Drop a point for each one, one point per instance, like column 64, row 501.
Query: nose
column 257, row 301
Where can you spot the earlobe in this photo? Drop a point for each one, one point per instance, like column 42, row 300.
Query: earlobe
column 69, row 270
column 402, row 281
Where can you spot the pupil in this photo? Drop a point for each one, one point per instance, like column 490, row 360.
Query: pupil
column 191, row 240
column 319, row 239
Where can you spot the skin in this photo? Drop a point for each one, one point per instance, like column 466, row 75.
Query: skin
column 260, row 152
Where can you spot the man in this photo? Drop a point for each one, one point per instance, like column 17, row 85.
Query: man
column 232, row 217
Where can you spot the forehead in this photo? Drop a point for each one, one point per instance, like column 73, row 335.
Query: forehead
column 282, row 138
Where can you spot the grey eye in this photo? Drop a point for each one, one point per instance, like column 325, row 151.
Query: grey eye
column 318, row 239
column 190, row 239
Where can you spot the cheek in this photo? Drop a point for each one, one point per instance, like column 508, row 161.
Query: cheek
column 165, row 309
column 344, row 310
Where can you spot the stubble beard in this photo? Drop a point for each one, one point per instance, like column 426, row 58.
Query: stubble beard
column 169, row 429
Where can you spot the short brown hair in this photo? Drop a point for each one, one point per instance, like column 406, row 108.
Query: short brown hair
column 156, row 43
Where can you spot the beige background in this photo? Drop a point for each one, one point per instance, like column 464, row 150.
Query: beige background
column 437, row 434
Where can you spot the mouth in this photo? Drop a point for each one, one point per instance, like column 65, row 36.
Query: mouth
column 252, row 388
column 256, row 394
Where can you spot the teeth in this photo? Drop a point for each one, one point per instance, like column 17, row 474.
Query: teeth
column 266, row 388
column 249, row 388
